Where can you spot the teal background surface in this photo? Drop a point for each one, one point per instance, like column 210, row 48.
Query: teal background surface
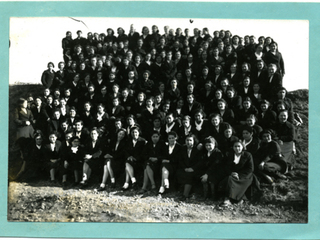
column 296, row 11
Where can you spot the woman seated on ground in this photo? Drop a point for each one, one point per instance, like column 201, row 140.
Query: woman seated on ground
column 52, row 152
column 33, row 164
column 238, row 174
column 211, row 161
column 269, row 163
column 188, row 171
column 285, row 137
column 92, row 156
column 133, row 157
column 152, row 154
column 169, row 162
column 72, row 160
column 113, row 163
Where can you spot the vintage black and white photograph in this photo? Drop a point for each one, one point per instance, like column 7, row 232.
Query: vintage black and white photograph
column 158, row 120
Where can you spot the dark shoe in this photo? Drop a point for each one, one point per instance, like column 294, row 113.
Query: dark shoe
column 142, row 191
column 183, row 198
column 83, row 185
column 101, row 189
column 134, row 186
column 64, row 185
column 113, row 185
column 75, row 184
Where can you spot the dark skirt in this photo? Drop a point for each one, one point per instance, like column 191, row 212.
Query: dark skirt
column 184, row 177
column 233, row 188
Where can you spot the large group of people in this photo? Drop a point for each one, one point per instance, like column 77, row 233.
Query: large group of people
column 176, row 109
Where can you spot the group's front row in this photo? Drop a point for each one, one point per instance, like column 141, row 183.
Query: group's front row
column 161, row 166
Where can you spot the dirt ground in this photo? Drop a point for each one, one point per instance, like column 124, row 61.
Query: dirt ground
column 40, row 201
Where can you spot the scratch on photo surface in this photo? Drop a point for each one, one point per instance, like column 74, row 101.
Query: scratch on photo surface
column 78, row 21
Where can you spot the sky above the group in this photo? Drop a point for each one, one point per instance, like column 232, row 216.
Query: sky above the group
column 37, row 41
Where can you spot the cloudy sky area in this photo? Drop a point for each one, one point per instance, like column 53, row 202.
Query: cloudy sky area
column 37, row 41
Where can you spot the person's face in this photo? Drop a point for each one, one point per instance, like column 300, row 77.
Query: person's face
column 145, row 75
column 149, row 102
column 121, row 135
column 46, row 92
column 52, row 138
column 178, row 55
column 190, row 58
column 205, row 71
column 215, row 121
column 188, row 72
column 198, row 117
column 217, row 70
column 259, row 48
column 273, row 47
column 56, row 102
column 233, row 68
column 72, row 113
column 228, row 49
column 172, row 139
column 220, row 45
column 82, row 66
column 63, row 102
column 251, row 40
column 190, row 99
column 100, row 109
column 159, row 59
column 161, row 87
column 49, row 100
column 115, row 89
column 38, row 140
column 200, row 50
column 246, row 40
column 91, row 89
column 174, row 83
column 99, row 75
column 264, row 107
column 112, row 76
column 189, row 142
column 246, row 135
column 135, row 134
column 281, row 94
column 237, row 148
column 246, row 105
column 103, row 91
column 261, row 41
column 207, row 87
column 78, row 126
column 156, row 123
column 224, row 83
column 64, row 126
column 283, row 117
column 280, row 107
column 87, row 107
column 75, row 143
column 215, row 52
column 155, row 138
column 169, row 119
column 130, row 121
column 271, row 69
column 246, row 82
column 260, row 65
column 94, row 135
column 235, row 40
column 148, row 56
column 50, row 66
column 228, row 133
column 266, row 137
column 61, row 66
column 250, row 122
column 190, row 88
column 222, row 34
column 245, row 67
column 125, row 93
column 56, row 114
column 140, row 97
column 140, row 43
column 94, row 62
column 137, row 59
column 131, row 74
column 186, row 123
column 210, row 147
column 38, row 102
column 218, row 94
column 158, row 98
column 221, row 105
column 100, row 63
column 169, row 56
column 25, row 104
column 256, row 88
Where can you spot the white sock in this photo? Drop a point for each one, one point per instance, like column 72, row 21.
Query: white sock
column 125, row 185
column 84, row 177
column 113, row 180
column 102, row 185
column 166, row 183
column 161, row 190
column 133, row 180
